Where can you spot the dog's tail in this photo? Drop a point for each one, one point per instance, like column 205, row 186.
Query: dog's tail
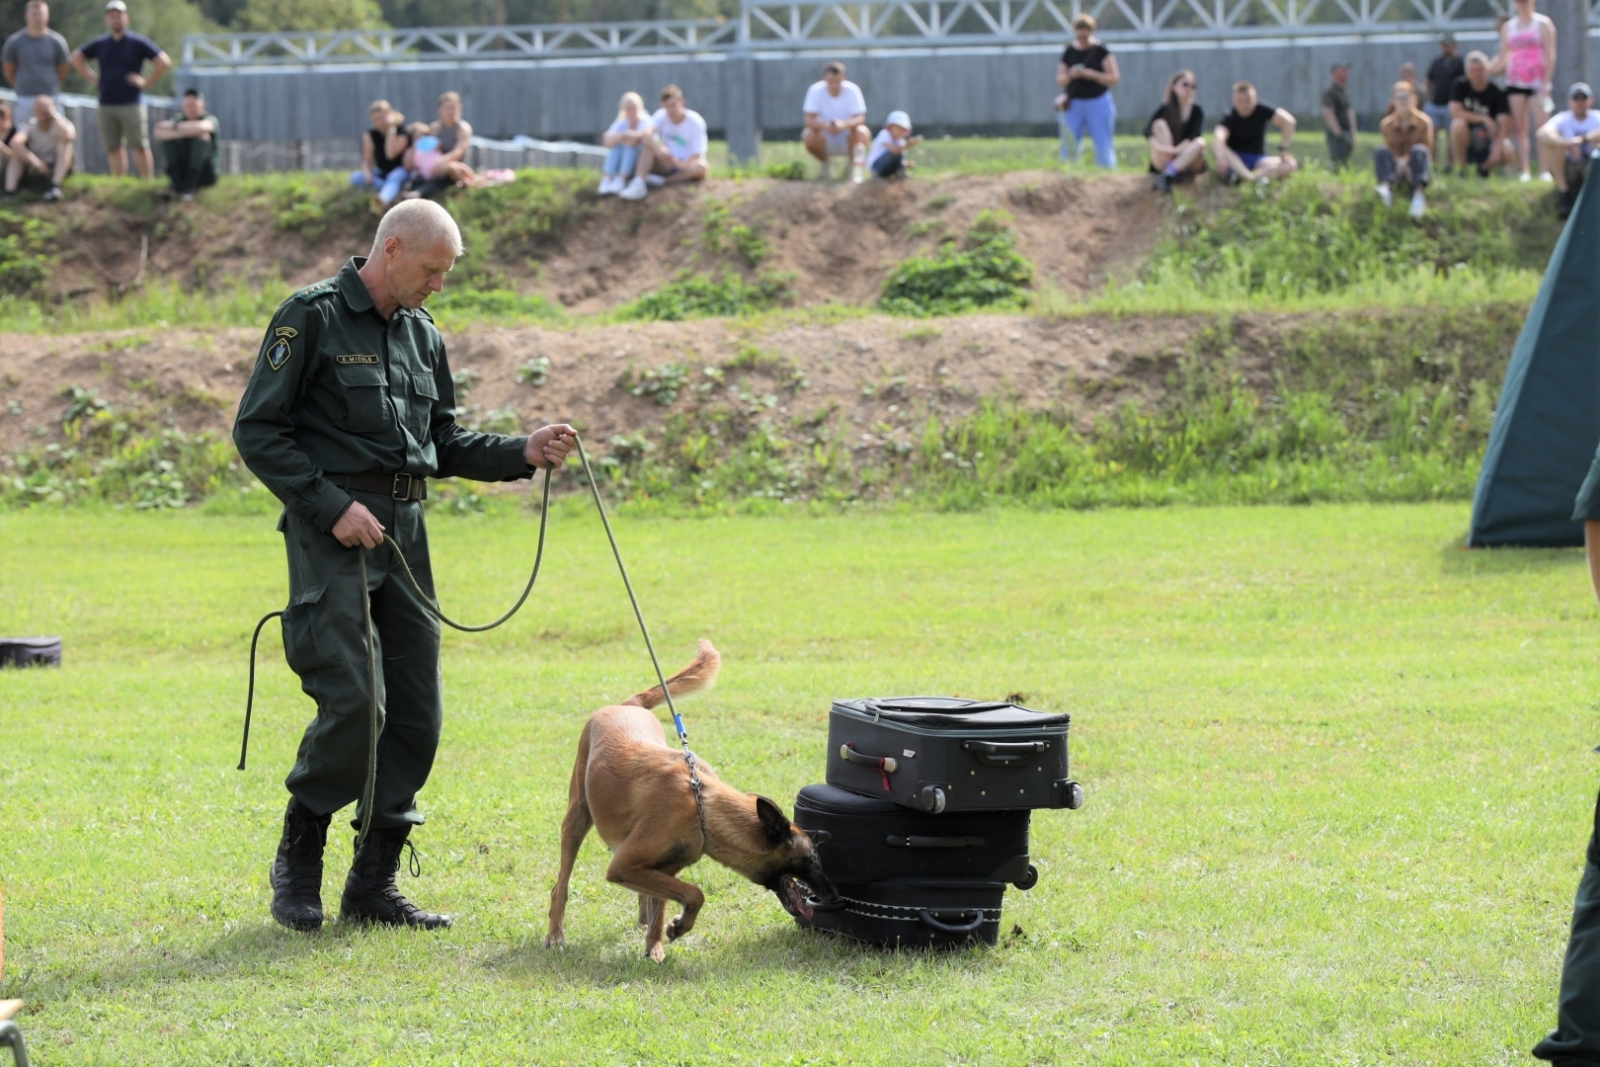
column 701, row 674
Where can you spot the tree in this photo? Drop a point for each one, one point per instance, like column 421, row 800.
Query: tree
column 310, row 15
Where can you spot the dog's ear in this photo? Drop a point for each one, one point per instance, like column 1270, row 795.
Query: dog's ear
column 773, row 821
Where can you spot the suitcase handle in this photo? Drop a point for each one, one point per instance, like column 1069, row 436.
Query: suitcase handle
column 826, row 905
column 914, row 841
column 949, row 928
column 1004, row 753
column 886, row 764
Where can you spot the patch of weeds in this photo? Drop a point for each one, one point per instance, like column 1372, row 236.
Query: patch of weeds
column 492, row 420
column 661, row 384
column 535, row 372
column 722, row 235
column 25, row 247
column 923, row 227
column 464, row 304
column 985, row 272
column 939, row 203
column 464, row 380
column 922, row 334
column 793, row 171
column 700, row 296
column 81, row 404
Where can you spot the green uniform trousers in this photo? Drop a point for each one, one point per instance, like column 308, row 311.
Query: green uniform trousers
column 1576, row 1038
column 324, row 639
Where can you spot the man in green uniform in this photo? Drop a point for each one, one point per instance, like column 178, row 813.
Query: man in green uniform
column 1575, row 1042
column 349, row 411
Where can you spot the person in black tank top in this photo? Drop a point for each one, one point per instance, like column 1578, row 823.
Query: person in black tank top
column 383, row 152
column 1177, row 146
column 1087, row 72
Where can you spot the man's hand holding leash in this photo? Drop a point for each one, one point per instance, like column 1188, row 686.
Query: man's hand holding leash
column 549, row 446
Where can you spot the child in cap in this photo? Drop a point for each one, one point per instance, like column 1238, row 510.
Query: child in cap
column 887, row 158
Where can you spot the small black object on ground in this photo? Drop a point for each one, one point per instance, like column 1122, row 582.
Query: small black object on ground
column 30, row 651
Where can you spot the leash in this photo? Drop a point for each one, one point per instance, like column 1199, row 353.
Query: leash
column 433, row 608
column 677, row 720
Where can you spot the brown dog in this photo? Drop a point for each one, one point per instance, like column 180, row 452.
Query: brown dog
column 634, row 788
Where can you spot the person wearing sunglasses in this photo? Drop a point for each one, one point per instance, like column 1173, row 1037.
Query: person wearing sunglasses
column 1177, row 146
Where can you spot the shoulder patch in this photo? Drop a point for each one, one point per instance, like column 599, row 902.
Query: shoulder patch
column 314, row 292
column 288, row 333
column 278, row 354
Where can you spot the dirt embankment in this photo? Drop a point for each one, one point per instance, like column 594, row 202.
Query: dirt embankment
column 883, row 376
column 837, row 241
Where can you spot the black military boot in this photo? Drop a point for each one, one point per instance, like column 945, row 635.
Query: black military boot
column 370, row 895
column 297, row 869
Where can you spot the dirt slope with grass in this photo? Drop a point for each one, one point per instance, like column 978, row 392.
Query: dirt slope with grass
column 836, row 242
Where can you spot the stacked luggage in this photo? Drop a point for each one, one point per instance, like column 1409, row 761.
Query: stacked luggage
column 928, row 801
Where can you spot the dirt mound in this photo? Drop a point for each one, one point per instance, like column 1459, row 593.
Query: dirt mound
column 836, row 241
column 840, row 241
column 884, row 377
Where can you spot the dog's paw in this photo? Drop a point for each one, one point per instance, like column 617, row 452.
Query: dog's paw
column 555, row 939
column 675, row 929
column 656, row 953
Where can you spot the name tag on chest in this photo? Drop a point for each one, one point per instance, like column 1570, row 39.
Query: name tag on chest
column 347, row 360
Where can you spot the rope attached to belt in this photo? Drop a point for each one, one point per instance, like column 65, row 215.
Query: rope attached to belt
column 432, row 606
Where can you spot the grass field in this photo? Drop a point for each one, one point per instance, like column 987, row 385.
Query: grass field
column 1339, row 780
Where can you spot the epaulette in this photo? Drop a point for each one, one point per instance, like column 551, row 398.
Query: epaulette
column 424, row 312
column 314, row 292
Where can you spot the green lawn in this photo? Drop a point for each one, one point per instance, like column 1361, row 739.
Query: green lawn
column 1338, row 769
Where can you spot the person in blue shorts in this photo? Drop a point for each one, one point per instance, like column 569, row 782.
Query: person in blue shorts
column 1241, row 140
column 888, row 156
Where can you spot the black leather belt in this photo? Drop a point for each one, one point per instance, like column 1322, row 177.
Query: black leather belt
column 399, row 486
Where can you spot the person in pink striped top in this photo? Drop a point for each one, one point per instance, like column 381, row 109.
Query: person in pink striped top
column 1527, row 58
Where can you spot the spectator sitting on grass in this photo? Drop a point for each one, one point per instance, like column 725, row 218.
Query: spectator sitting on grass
column 836, row 121
column 1241, row 139
column 1407, row 152
column 383, row 154
column 122, row 115
column 190, row 145
column 1177, row 146
column 443, row 163
column 1480, row 119
column 7, row 132
column 676, row 150
column 888, row 156
column 623, row 139
column 1565, row 143
column 35, row 59
column 41, row 151
column 1446, row 67
column 1338, row 120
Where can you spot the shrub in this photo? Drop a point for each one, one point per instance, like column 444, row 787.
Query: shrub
column 25, row 246
column 985, row 273
column 701, row 296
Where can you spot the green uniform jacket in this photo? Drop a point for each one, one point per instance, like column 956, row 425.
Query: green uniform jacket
column 336, row 389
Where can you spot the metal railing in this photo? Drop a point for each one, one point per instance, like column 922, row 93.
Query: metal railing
column 801, row 25
column 462, row 44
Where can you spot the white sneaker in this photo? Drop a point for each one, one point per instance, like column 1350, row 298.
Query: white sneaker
column 634, row 190
column 1546, row 176
column 1419, row 204
column 1385, row 194
column 655, row 181
column 1525, row 177
column 609, row 185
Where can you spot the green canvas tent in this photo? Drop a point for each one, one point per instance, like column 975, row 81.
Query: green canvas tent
column 1547, row 423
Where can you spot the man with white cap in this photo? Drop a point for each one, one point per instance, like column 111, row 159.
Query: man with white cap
column 887, row 158
column 1565, row 143
column 121, row 85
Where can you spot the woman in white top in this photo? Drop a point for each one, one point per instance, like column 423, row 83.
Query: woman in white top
column 623, row 138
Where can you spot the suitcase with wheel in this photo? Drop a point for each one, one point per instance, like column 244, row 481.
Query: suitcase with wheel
column 914, row 912
column 945, row 754
column 873, row 839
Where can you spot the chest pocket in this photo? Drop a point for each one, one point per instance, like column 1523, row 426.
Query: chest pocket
column 362, row 387
column 425, row 397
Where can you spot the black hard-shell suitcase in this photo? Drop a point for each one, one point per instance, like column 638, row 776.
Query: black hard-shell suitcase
column 915, row 912
column 944, row 754
column 875, row 840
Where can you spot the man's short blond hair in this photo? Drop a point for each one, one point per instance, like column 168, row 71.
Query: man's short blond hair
column 417, row 224
column 1476, row 57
